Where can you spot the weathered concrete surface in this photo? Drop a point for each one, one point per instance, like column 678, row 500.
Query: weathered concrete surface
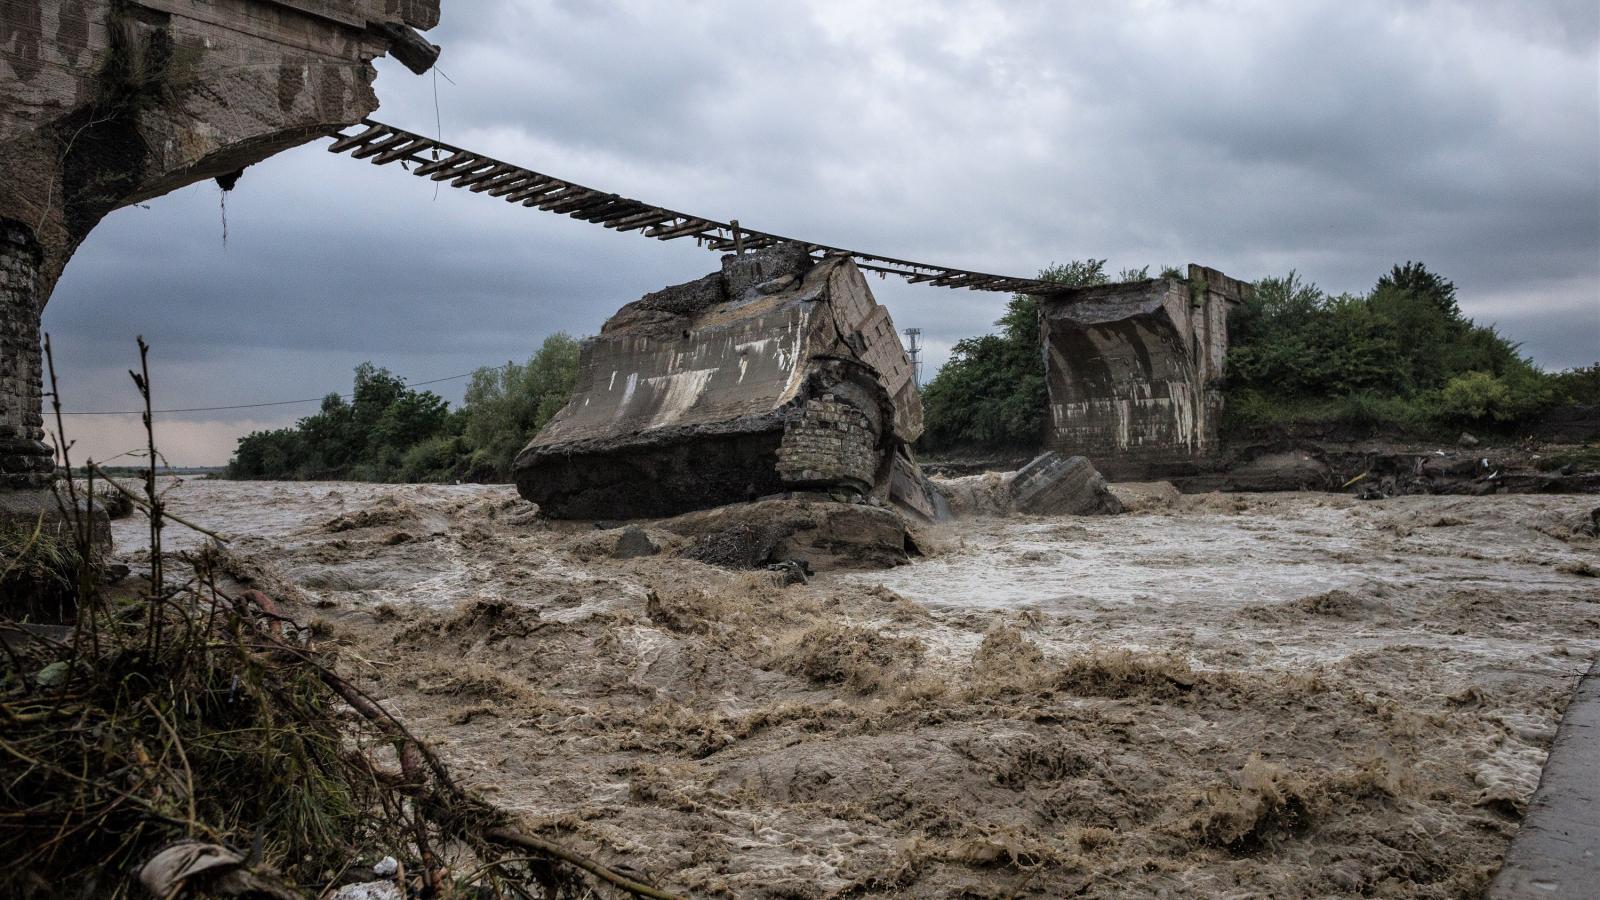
column 776, row 374
column 1055, row 484
column 1133, row 370
column 1556, row 854
column 104, row 104
column 25, row 460
column 1050, row 485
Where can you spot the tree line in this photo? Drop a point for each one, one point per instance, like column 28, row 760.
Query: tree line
column 386, row 431
column 1400, row 358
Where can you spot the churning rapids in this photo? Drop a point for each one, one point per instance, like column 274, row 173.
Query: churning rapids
column 1217, row 695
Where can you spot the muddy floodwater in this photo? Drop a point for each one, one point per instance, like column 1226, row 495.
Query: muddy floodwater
column 1285, row 695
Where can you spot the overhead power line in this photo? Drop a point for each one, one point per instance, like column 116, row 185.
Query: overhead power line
column 191, row 409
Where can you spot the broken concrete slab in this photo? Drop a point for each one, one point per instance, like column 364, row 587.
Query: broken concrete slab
column 1054, row 485
column 779, row 373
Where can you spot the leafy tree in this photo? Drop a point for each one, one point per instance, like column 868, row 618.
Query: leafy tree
column 508, row 405
column 1414, row 278
column 365, row 437
column 1401, row 355
column 389, row 432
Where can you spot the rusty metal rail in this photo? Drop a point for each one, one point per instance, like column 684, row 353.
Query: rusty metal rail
column 427, row 158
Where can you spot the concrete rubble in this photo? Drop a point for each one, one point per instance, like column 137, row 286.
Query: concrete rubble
column 777, row 375
column 1050, row 485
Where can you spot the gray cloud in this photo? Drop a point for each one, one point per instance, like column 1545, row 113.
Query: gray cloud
column 1334, row 138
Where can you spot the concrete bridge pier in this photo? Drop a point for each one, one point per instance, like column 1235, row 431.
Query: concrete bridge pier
column 1134, row 371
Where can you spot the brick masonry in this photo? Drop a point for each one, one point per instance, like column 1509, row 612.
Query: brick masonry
column 829, row 442
column 25, row 461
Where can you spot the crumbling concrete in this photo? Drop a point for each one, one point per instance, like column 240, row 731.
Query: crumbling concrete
column 1057, row 485
column 1050, row 485
column 1134, row 371
column 106, row 103
column 778, row 374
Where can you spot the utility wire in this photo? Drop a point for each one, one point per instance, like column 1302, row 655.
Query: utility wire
column 140, row 412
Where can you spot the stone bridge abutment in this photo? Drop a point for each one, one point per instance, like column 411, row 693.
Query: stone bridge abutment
column 107, row 103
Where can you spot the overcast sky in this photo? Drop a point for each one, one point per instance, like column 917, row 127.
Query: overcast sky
column 1335, row 138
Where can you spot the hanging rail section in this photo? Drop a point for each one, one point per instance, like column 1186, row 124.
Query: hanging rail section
column 427, row 158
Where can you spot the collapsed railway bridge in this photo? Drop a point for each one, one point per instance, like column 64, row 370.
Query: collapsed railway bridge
column 1133, row 369
column 117, row 103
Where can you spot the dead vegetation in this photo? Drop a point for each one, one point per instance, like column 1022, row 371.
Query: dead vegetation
column 179, row 732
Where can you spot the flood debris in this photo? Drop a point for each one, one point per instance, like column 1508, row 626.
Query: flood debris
column 777, row 374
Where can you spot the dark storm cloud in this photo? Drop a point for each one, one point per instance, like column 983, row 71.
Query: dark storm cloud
column 1334, row 138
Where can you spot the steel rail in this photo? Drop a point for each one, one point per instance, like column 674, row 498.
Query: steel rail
column 381, row 144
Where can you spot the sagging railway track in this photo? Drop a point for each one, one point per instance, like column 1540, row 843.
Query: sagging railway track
column 426, row 157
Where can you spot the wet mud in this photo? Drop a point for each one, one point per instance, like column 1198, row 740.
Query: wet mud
column 1216, row 695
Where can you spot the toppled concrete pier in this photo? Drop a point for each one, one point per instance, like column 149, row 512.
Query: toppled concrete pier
column 777, row 374
column 1134, row 371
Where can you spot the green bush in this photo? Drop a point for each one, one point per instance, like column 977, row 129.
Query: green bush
column 1475, row 396
column 1579, row 386
column 507, row 406
column 389, row 432
column 1401, row 357
column 441, row 458
column 1479, row 397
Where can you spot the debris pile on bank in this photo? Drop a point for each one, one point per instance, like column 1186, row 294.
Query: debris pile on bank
column 177, row 729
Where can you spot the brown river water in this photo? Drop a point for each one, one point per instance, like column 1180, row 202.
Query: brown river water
column 1249, row 695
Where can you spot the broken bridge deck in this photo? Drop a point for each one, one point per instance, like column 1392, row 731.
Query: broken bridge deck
column 427, row 157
